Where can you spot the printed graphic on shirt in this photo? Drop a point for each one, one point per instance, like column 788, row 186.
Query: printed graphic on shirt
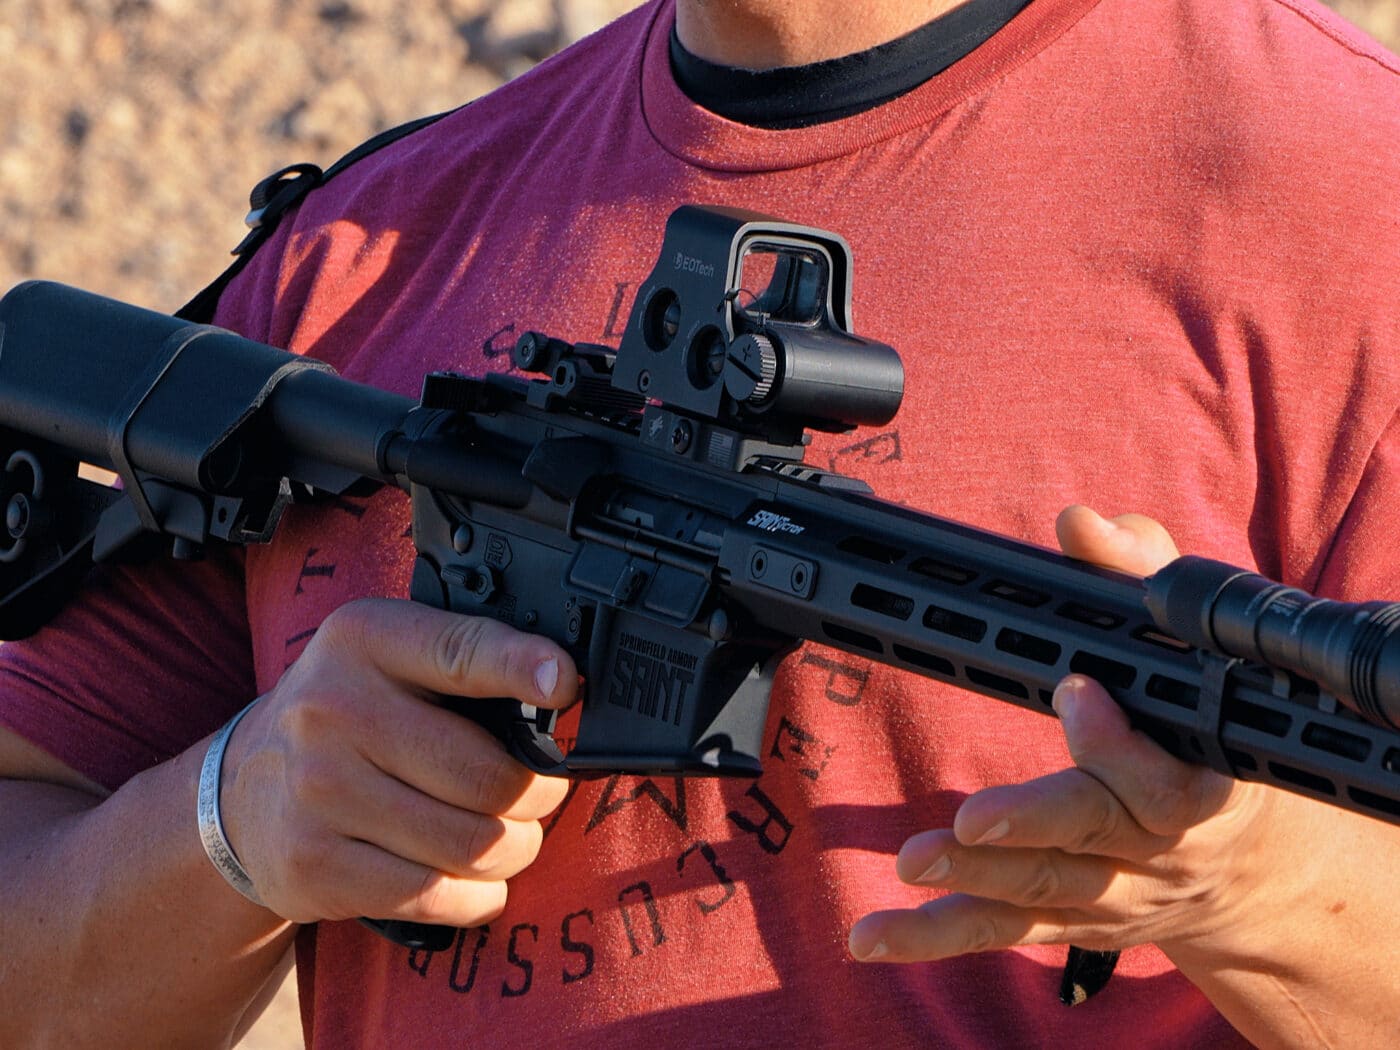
column 510, row 962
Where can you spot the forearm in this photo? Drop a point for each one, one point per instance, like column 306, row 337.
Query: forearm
column 345, row 793
column 117, row 931
column 1275, row 1012
column 1319, row 972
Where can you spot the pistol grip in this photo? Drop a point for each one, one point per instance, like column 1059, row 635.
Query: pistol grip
column 416, row 935
column 526, row 732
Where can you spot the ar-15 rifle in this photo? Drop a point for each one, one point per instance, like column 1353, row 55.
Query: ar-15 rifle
column 648, row 509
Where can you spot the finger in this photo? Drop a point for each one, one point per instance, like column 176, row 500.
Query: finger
column 1028, row 878
column 1129, row 543
column 453, row 655
column 1163, row 794
column 956, row 925
column 450, row 758
column 1071, row 810
column 396, row 817
column 352, row 879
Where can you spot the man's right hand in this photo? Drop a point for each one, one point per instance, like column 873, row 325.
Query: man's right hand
column 348, row 791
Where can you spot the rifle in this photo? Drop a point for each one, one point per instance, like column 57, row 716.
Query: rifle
column 648, row 509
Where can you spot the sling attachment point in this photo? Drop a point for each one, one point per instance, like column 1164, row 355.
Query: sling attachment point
column 273, row 196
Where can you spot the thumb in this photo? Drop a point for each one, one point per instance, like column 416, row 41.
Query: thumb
column 1163, row 794
column 454, row 655
column 1129, row 543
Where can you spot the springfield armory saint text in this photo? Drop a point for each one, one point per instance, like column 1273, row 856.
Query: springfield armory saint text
column 648, row 509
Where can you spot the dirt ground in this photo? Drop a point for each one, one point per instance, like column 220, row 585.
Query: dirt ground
column 132, row 130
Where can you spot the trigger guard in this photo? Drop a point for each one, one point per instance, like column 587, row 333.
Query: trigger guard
column 529, row 736
column 526, row 731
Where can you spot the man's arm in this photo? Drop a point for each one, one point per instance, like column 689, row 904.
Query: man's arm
column 118, row 931
column 116, row 926
column 1277, row 907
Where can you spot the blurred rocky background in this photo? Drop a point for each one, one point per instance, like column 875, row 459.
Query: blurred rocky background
column 132, row 130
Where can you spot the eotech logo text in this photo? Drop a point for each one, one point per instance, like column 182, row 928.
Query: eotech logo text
column 690, row 264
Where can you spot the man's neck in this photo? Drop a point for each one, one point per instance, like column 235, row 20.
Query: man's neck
column 767, row 34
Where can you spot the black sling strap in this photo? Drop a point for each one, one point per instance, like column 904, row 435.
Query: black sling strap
column 273, row 197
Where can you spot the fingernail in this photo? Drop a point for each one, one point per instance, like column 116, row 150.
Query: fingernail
column 880, row 950
column 997, row 831
column 547, row 677
column 940, row 870
column 1066, row 700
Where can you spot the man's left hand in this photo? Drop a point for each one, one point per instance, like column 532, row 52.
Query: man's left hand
column 1128, row 846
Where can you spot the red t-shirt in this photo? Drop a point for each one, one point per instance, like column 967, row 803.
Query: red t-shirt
column 1138, row 253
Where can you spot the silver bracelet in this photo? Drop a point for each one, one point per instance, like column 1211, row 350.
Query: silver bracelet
column 211, row 822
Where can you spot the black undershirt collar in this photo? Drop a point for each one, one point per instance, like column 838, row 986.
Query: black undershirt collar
column 801, row 96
